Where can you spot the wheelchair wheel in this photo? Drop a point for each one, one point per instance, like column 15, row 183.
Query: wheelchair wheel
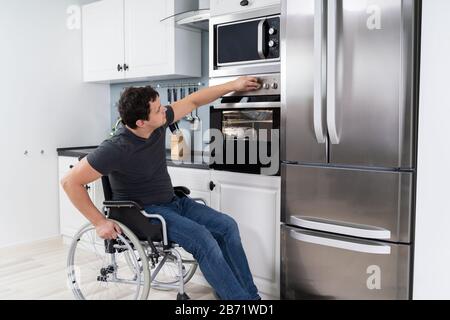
column 107, row 270
column 169, row 273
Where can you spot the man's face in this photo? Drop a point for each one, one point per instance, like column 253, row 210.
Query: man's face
column 157, row 117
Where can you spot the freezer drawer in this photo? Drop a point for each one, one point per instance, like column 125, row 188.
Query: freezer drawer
column 357, row 203
column 321, row 266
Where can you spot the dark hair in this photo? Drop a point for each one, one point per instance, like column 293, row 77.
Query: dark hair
column 134, row 104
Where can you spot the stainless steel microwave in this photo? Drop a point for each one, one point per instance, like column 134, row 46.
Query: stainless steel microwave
column 245, row 43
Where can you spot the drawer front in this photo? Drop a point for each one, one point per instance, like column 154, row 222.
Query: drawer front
column 365, row 204
column 193, row 179
column 323, row 266
column 65, row 164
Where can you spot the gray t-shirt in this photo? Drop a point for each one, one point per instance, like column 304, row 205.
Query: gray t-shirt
column 136, row 167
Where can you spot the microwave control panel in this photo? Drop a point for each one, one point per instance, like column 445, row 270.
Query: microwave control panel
column 272, row 35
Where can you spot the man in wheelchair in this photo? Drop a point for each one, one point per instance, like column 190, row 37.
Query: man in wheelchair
column 134, row 160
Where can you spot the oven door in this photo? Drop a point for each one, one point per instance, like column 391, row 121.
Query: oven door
column 244, row 44
column 244, row 135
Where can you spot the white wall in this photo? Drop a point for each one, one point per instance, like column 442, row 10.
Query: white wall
column 44, row 105
column 432, row 262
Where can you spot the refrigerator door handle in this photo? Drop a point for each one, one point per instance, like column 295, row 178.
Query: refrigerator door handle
column 359, row 231
column 320, row 72
column 332, row 114
column 379, row 249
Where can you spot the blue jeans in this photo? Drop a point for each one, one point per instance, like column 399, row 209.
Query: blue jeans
column 214, row 241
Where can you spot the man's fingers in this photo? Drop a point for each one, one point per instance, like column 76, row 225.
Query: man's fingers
column 117, row 228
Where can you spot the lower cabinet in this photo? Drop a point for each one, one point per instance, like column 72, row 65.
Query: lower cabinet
column 195, row 180
column 254, row 202
column 71, row 220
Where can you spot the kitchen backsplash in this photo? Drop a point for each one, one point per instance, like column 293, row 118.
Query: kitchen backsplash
column 203, row 112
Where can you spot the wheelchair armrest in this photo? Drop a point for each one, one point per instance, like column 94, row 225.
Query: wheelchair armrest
column 122, row 204
column 183, row 191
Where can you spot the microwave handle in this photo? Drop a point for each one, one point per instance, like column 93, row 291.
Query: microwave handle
column 261, row 39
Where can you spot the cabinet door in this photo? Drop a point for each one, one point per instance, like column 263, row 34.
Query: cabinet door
column 103, row 40
column 196, row 180
column 254, row 202
column 149, row 43
column 71, row 220
column 219, row 7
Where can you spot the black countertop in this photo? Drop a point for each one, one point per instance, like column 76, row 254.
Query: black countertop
column 197, row 163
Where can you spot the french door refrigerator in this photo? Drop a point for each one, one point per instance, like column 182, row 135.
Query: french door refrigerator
column 349, row 122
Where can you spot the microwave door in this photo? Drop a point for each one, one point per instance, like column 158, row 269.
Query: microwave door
column 237, row 43
column 247, row 42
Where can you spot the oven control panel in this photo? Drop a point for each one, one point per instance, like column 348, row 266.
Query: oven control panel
column 270, row 85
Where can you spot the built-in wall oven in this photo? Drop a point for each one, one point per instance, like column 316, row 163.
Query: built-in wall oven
column 245, row 43
column 247, row 125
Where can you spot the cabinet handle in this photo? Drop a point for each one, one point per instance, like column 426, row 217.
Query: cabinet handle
column 71, row 167
column 87, row 188
column 119, row 68
column 212, row 186
column 125, row 67
column 244, row 3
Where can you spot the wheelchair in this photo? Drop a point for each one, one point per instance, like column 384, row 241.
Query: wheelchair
column 139, row 259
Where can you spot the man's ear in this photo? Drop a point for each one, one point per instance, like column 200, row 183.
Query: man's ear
column 140, row 123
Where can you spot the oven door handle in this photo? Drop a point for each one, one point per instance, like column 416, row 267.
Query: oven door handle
column 261, row 39
column 256, row 105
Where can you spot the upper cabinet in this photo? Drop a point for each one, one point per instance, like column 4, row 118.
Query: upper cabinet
column 129, row 40
column 220, row 7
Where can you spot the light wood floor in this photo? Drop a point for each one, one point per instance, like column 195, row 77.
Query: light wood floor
column 37, row 271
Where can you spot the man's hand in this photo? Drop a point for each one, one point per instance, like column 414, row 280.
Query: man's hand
column 244, row 84
column 108, row 230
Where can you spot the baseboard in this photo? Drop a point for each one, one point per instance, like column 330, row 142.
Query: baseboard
column 37, row 241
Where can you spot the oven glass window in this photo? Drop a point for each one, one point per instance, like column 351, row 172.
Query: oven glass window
column 246, row 124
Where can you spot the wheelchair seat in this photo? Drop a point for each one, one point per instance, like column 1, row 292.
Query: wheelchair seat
column 129, row 213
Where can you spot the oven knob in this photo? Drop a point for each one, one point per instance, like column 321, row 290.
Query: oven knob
column 272, row 43
column 275, row 86
column 272, row 31
column 266, row 86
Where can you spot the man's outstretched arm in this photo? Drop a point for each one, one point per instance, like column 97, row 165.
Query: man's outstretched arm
column 190, row 103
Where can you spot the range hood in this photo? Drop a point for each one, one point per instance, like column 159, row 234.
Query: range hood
column 198, row 19
column 191, row 13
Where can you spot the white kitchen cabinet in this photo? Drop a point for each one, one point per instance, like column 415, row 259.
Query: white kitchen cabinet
column 254, row 202
column 221, row 7
column 125, row 40
column 196, row 180
column 71, row 220
column 103, row 40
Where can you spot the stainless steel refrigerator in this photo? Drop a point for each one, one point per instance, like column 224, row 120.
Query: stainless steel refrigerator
column 349, row 119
